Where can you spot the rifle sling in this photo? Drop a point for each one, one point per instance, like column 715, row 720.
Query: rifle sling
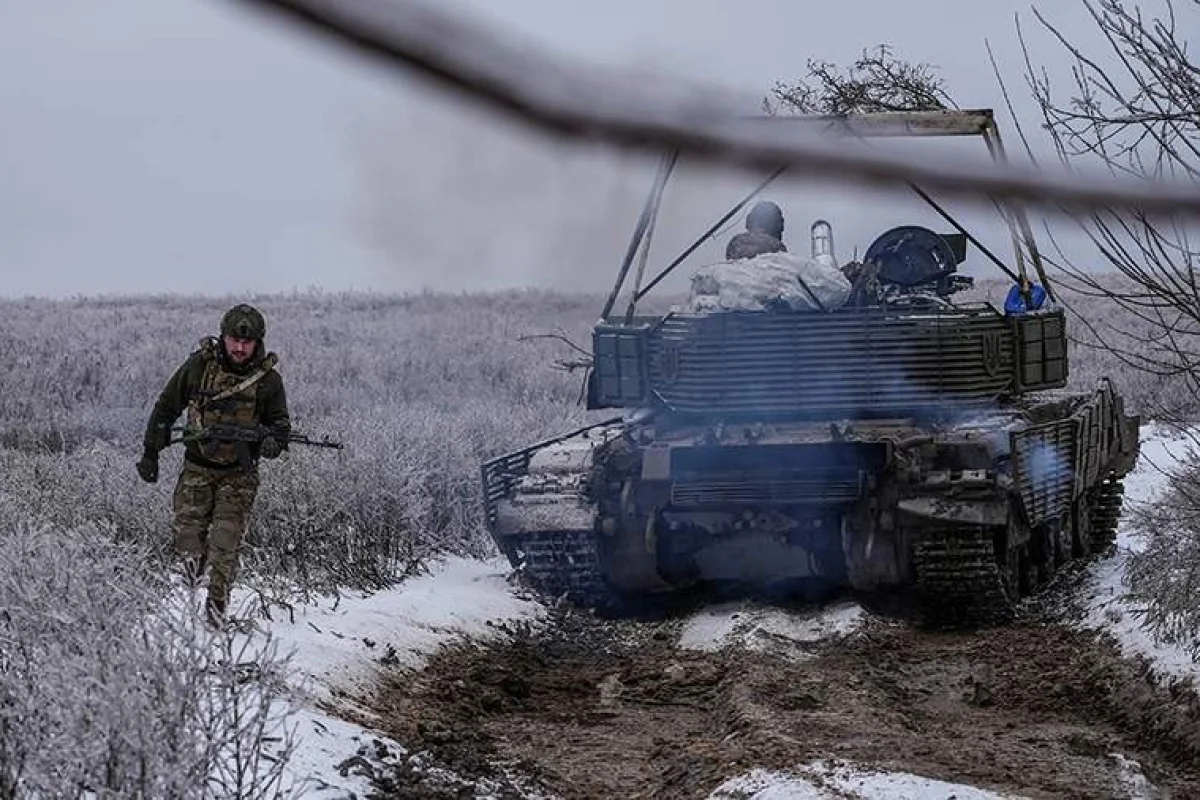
column 246, row 384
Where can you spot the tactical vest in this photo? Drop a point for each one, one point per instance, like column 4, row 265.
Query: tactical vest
column 224, row 398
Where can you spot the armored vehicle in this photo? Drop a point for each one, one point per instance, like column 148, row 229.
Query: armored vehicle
column 902, row 441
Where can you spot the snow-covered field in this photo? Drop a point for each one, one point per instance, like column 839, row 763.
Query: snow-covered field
column 337, row 647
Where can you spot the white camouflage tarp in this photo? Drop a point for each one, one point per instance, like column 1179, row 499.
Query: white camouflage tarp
column 768, row 281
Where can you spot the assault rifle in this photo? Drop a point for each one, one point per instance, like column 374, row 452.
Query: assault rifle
column 242, row 436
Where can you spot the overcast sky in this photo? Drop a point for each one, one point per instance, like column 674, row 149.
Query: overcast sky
column 190, row 146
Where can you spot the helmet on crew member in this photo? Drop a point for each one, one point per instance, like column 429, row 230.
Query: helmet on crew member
column 767, row 218
column 245, row 322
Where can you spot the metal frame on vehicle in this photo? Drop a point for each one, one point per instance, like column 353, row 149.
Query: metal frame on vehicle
column 892, row 124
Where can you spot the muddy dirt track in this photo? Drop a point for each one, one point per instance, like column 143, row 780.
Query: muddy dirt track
column 588, row 708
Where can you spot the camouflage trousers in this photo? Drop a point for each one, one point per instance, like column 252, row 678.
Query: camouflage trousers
column 211, row 508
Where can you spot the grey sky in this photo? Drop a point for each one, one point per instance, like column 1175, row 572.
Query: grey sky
column 188, row 146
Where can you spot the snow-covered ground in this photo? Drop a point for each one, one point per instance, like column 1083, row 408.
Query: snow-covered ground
column 755, row 627
column 336, row 647
column 827, row 780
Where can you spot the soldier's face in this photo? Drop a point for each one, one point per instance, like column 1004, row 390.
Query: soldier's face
column 239, row 349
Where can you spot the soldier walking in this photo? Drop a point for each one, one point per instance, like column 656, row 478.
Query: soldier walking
column 230, row 381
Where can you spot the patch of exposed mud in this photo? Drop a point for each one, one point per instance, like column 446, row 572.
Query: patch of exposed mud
column 590, row 708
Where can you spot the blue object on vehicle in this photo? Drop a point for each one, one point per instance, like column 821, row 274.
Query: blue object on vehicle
column 1015, row 302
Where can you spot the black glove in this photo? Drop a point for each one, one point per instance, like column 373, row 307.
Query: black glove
column 159, row 438
column 270, row 448
column 147, row 468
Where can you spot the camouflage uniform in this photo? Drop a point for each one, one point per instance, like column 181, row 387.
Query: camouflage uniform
column 763, row 234
column 216, row 488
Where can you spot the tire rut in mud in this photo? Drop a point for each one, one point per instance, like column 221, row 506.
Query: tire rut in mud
column 585, row 707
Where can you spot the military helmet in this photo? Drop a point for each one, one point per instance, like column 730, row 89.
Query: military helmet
column 766, row 217
column 244, row 322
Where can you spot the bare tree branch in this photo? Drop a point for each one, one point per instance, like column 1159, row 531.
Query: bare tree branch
column 878, row 81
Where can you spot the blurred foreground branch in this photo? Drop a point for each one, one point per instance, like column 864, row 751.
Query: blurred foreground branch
column 571, row 100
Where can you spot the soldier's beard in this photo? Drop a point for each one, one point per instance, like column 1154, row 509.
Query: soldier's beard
column 245, row 360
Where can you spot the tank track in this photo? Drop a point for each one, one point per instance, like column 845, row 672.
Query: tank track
column 555, row 542
column 1104, row 508
column 566, row 563
column 959, row 582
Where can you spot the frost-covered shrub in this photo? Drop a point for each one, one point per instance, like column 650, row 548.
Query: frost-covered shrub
column 1164, row 574
column 404, row 488
column 105, row 694
column 93, row 487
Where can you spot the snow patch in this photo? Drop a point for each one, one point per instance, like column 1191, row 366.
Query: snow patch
column 323, row 762
column 338, row 645
column 1160, row 452
column 1109, row 610
column 1133, row 780
column 827, row 780
column 335, row 650
column 754, row 627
